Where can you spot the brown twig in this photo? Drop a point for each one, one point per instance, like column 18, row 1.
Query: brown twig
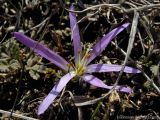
column 17, row 115
column 145, row 7
column 96, row 6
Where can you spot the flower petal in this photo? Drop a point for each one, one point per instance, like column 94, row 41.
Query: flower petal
column 102, row 44
column 54, row 92
column 42, row 50
column 75, row 35
column 97, row 82
column 110, row 68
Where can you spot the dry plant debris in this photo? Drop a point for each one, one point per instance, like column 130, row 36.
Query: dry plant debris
column 25, row 78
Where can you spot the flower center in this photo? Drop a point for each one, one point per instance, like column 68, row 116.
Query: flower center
column 81, row 64
column 80, row 69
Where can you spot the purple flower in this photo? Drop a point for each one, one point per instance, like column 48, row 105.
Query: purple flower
column 81, row 69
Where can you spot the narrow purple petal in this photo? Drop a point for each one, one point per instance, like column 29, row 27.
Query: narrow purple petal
column 110, row 68
column 42, row 50
column 98, row 83
column 54, row 92
column 75, row 35
column 102, row 44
